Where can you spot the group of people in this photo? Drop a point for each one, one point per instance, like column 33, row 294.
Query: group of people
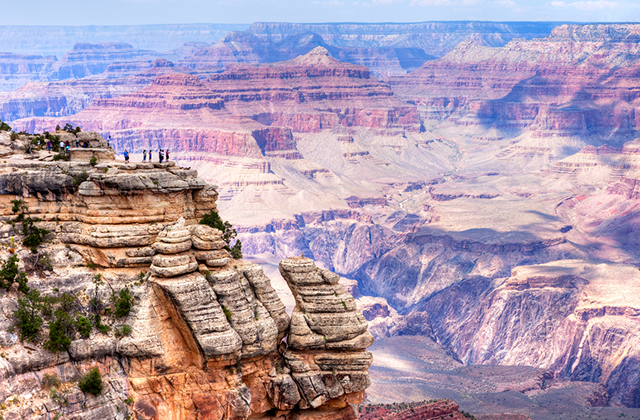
column 162, row 155
column 65, row 145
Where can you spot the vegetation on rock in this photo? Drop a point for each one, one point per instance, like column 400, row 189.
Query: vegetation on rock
column 123, row 303
column 213, row 220
column 91, row 383
column 33, row 235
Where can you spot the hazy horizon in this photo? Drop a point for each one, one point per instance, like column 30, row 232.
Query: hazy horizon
column 149, row 12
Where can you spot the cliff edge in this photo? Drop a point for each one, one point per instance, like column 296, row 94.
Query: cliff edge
column 123, row 279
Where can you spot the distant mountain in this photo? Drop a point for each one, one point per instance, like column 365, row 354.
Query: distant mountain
column 57, row 40
column 386, row 48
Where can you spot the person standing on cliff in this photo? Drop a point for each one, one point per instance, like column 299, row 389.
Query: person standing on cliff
column 49, row 145
column 144, row 155
column 126, row 156
column 160, row 155
column 166, row 153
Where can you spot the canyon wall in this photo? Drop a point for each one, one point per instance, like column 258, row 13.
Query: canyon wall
column 205, row 331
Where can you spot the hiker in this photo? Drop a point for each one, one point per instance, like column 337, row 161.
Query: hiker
column 77, row 142
column 61, row 146
column 144, row 155
column 49, row 145
column 66, row 148
column 167, row 155
column 160, row 155
column 126, row 156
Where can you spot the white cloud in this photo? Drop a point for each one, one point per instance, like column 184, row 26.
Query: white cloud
column 432, row 2
column 510, row 4
column 587, row 6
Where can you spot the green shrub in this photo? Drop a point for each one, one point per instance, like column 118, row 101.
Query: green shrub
column 50, row 381
column 80, row 178
column 91, row 383
column 61, row 156
column 22, row 283
column 29, row 321
column 122, row 331
column 235, row 250
column 84, row 326
column 92, row 265
column 123, row 303
column 59, row 332
column 9, row 271
column 213, row 220
column 4, row 126
column 33, row 235
column 227, row 312
column 93, row 161
column 14, row 136
column 128, row 401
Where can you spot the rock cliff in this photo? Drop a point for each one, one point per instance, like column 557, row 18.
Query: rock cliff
column 206, row 337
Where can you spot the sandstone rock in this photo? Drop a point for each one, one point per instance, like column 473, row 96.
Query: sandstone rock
column 207, row 245
column 283, row 392
column 325, row 315
column 266, row 294
column 96, row 347
column 220, row 254
column 247, row 314
column 196, row 302
column 168, row 248
column 175, row 270
column 218, row 262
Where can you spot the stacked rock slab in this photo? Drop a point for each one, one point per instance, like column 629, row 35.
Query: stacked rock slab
column 194, row 301
column 327, row 337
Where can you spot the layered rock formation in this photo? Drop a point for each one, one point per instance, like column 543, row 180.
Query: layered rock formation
column 574, row 83
column 386, row 49
column 206, row 331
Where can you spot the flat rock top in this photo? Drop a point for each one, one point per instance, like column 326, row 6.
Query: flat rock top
column 615, row 285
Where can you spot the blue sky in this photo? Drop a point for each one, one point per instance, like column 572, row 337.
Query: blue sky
column 110, row 12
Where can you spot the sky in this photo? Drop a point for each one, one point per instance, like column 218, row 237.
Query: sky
column 129, row 12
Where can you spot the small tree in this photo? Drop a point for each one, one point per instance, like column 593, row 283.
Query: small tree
column 213, row 220
column 84, row 326
column 29, row 321
column 92, row 382
column 59, row 332
column 123, row 303
column 9, row 271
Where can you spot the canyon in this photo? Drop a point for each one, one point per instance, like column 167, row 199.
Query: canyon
column 482, row 206
column 204, row 331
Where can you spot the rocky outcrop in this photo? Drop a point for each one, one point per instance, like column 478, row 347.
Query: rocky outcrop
column 327, row 336
column 205, row 335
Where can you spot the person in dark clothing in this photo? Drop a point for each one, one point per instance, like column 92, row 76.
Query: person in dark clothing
column 77, row 141
column 166, row 154
column 160, row 155
column 144, row 155
column 126, row 156
column 49, row 145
